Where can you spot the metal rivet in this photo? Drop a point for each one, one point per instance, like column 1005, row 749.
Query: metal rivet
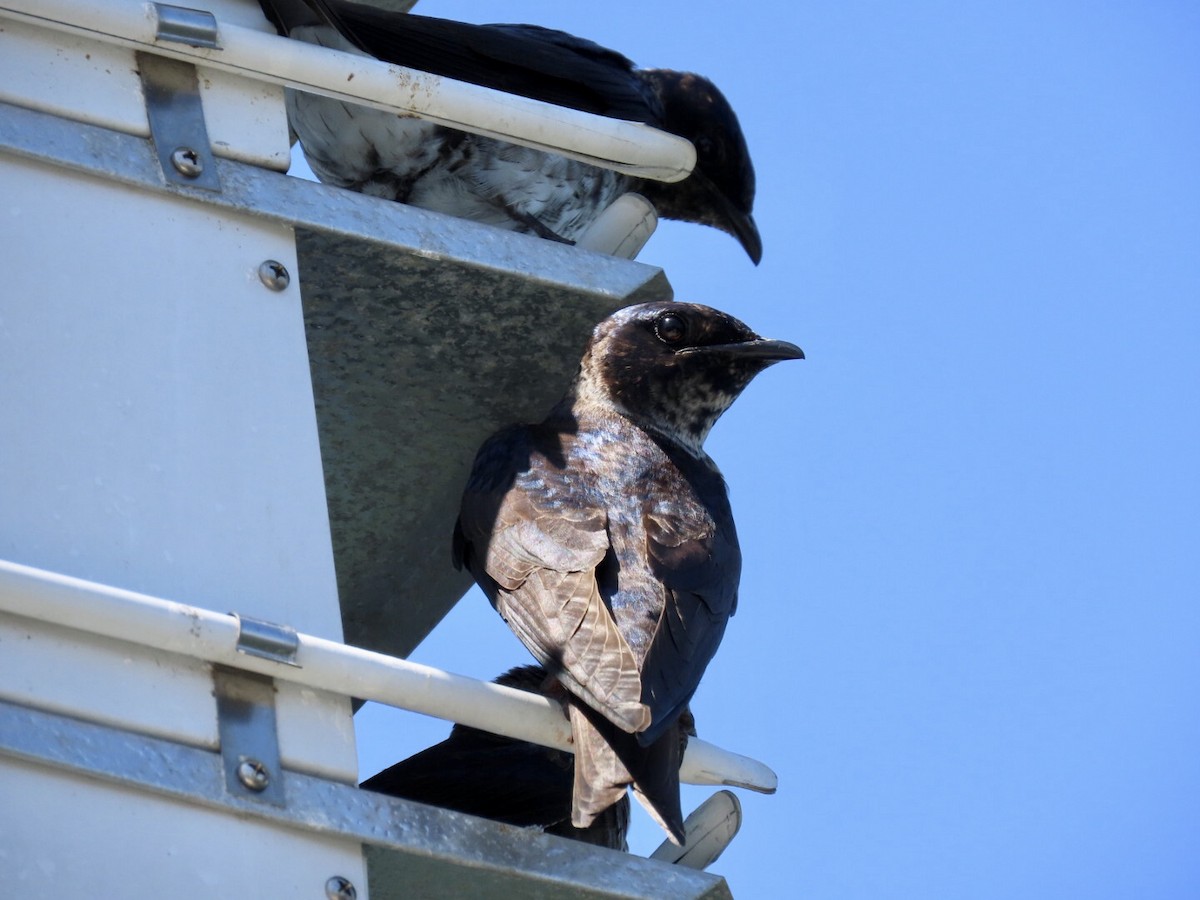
column 339, row 888
column 187, row 162
column 274, row 275
column 253, row 774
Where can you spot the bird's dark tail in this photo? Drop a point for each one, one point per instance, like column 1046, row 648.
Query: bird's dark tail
column 608, row 760
column 288, row 14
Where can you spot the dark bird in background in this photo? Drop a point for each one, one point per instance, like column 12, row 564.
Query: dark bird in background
column 604, row 538
column 513, row 187
column 506, row 780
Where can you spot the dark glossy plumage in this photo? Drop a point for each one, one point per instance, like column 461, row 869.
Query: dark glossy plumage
column 486, row 180
column 604, row 537
column 502, row 779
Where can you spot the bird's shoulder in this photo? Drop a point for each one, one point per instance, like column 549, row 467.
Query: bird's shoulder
column 690, row 505
column 530, row 508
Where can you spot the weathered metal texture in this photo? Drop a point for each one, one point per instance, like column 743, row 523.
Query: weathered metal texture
column 415, row 850
column 425, row 334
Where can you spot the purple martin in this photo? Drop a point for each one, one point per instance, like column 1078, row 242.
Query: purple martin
column 492, row 181
column 604, row 537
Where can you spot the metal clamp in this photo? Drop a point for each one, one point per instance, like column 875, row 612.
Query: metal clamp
column 180, row 25
column 267, row 640
column 176, row 118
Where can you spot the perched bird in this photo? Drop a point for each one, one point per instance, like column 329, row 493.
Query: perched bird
column 487, row 180
column 604, row 537
column 506, row 780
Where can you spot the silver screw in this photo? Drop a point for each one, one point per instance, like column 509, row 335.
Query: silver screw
column 187, row 162
column 339, row 888
column 253, row 774
column 274, row 275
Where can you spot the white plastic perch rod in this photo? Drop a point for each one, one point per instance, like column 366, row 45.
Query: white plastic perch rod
column 629, row 147
column 329, row 666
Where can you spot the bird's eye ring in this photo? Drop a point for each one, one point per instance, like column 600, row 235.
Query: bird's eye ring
column 670, row 328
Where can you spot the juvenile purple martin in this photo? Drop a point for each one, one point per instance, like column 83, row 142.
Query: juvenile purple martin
column 604, row 537
column 502, row 184
column 503, row 779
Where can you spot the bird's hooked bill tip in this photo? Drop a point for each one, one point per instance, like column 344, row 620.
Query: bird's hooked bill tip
column 785, row 350
column 747, row 236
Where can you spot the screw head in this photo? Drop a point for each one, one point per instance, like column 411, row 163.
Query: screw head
column 253, row 774
column 187, row 162
column 340, row 888
column 274, row 275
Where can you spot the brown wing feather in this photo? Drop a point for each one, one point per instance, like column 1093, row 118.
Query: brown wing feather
column 600, row 777
column 538, row 556
column 562, row 619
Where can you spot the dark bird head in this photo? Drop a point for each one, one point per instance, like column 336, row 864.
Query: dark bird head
column 720, row 190
column 673, row 368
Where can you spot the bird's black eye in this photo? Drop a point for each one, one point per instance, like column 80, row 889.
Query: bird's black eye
column 670, row 328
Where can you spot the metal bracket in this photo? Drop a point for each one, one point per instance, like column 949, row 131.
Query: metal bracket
column 267, row 640
column 176, row 118
column 249, row 741
column 194, row 27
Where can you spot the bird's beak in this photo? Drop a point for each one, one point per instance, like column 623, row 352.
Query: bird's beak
column 769, row 351
column 764, row 349
column 746, row 232
column 742, row 226
column 731, row 219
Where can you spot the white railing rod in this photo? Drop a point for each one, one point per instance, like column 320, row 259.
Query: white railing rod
column 329, row 666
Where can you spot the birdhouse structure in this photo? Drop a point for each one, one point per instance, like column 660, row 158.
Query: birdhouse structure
column 238, row 408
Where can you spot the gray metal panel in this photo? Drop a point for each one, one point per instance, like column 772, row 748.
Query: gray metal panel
column 405, row 876
column 418, row 851
column 426, row 333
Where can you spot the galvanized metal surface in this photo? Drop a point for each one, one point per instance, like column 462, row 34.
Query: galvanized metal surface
column 425, row 334
column 267, row 640
column 420, row 851
column 177, row 121
column 193, row 27
column 249, row 741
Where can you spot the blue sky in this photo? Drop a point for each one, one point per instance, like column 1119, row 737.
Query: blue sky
column 969, row 631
